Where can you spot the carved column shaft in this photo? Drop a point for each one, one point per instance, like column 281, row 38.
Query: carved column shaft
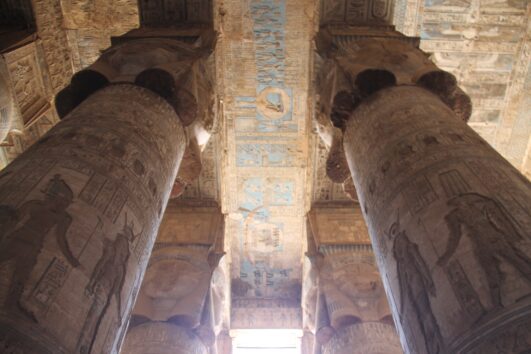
column 79, row 212
column 449, row 220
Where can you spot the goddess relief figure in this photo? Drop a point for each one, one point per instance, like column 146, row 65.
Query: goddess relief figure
column 494, row 235
column 106, row 282
column 416, row 287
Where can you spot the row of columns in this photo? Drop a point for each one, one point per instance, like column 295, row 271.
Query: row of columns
column 447, row 215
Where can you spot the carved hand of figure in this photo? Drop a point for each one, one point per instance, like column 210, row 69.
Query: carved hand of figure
column 61, row 232
column 90, row 288
column 431, row 288
column 73, row 261
column 119, row 310
column 453, row 223
column 8, row 218
column 443, row 260
column 119, row 304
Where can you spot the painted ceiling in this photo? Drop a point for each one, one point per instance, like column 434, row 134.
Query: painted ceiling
column 265, row 164
column 264, row 55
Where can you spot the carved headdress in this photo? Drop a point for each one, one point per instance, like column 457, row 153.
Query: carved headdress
column 58, row 188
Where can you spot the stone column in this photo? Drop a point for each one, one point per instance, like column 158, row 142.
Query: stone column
column 352, row 314
column 448, row 216
column 359, row 319
column 173, row 303
column 177, row 299
column 79, row 213
column 80, row 209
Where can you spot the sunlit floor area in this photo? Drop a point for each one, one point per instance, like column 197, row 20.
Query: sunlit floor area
column 266, row 341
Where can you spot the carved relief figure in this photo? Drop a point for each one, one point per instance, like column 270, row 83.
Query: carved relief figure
column 36, row 219
column 416, row 286
column 106, row 282
column 494, row 237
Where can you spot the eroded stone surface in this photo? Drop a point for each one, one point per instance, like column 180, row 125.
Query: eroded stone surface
column 175, row 285
column 263, row 53
column 449, row 220
column 184, row 285
column 49, row 19
column 364, row 338
column 79, row 214
column 26, row 110
column 163, row 338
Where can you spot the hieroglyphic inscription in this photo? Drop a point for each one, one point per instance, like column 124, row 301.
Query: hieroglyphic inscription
column 80, row 192
column 420, row 194
column 364, row 338
column 468, row 297
column 493, row 234
column 107, row 281
column 416, row 287
column 459, row 259
column 28, row 86
column 266, row 137
column 49, row 18
column 453, row 183
column 355, row 12
column 51, row 281
column 164, row 337
column 22, row 245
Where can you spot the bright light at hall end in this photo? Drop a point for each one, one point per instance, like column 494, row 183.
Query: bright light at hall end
column 266, row 341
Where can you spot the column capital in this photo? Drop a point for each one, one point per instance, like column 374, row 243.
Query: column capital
column 173, row 63
column 357, row 61
column 448, row 221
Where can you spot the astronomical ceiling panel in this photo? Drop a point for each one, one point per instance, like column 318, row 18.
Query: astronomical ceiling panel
column 264, row 52
column 486, row 45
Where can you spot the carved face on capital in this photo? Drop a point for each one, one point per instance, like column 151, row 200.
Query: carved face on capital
column 354, row 282
column 173, row 279
column 132, row 57
column 359, row 280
